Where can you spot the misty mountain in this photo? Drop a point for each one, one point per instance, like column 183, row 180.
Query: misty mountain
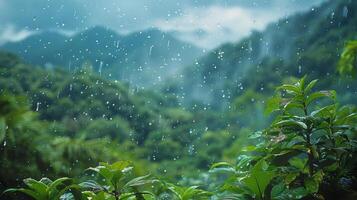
column 306, row 42
column 142, row 58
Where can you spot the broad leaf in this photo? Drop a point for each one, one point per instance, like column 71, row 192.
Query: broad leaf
column 258, row 179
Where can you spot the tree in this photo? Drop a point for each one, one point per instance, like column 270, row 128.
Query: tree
column 348, row 60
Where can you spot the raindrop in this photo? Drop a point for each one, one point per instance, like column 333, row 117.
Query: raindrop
column 37, row 106
column 150, row 51
column 100, row 67
column 345, row 12
column 191, row 149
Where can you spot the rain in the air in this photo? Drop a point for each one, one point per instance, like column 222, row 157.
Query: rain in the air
column 178, row 99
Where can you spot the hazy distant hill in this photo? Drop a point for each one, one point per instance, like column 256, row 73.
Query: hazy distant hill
column 308, row 42
column 142, row 58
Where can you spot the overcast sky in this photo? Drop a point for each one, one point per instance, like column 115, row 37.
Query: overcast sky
column 206, row 23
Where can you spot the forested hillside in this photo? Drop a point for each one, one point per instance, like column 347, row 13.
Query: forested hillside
column 145, row 58
column 92, row 119
column 308, row 42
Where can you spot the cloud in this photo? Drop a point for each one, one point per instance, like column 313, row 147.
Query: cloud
column 216, row 24
column 11, row 34
column 43, row 14
column 203, row 22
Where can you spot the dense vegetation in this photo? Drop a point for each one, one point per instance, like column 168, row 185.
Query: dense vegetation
column 305, row 153
column 80, row 119
column 196, row 135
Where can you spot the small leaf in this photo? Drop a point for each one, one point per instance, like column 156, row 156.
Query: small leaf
column 259, row 178
column 316, row 95
column 299, row 163
column 138, row 181
column 311, row 185
column 277, row 191
column 221, row 164
column 290, row 88
column 91, row 185
column 249, row 148
column 301, row 83
column 293, row 104
column 290, row 178
column 273, row 104
column 36, row 186
column 323, row 111
column 2, row 129
column 28, row 192
column 310, row 86
column 285, row 123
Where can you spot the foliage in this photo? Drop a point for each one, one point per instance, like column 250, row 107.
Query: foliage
column 114, row 181
column 139, row 58
column 305, row 43
column 309, row 151
column 348, row 61
column 60, row 123
column 45, row 189
column 302, row 153
column 56, row 122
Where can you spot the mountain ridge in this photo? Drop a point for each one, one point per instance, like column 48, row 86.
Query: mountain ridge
column 143, row 58
column 310, row 41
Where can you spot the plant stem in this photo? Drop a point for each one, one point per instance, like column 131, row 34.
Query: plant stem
column 308, row 143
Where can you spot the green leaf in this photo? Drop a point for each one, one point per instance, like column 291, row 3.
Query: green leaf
column 281, row 192
column 277, row 192
column 58, row 187
column 347, row 62
column 351, row 117
column 273, row 104
column 2, row 129
column 37, row 186
column 299, row 163
column 28, row 192
column 189, row 193
column 259, row 178
column 249, row 148
column 290, row 177
column 138, row 181
column 293, row 104
column 290, row 88
column 103, row 171
column 301, row 83
column 243, row 161
column 221, row 164
column 323, row 111
column 316, row 95
column 297, row 193
column 290, row 123
column 310, row 86
column 311, row 185
column 91, row 185
column 194, row 193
